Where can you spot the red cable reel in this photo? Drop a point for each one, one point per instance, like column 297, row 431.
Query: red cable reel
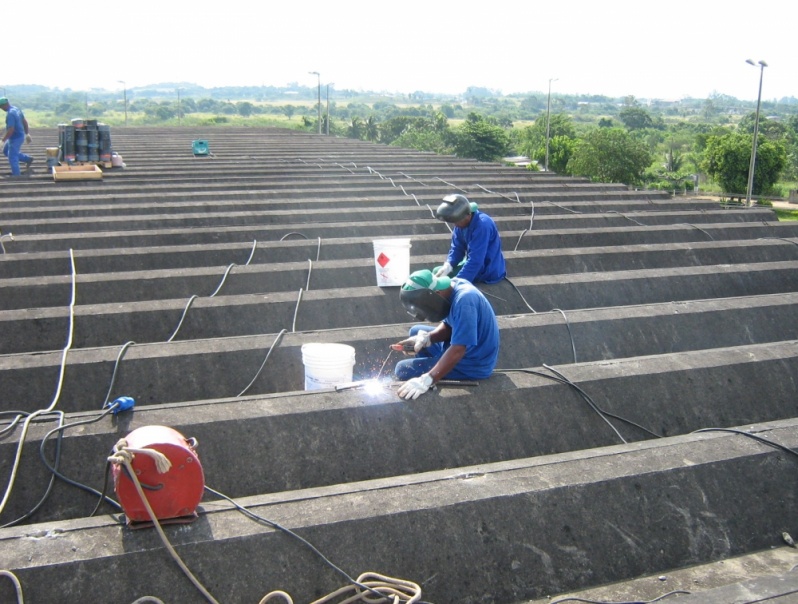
column 173, row 495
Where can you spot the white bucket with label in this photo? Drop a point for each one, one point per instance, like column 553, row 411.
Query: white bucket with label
column 392, row 261
column 327, row 365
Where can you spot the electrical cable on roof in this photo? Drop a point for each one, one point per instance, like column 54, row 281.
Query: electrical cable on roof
column 59, row 386
column 518, row 291
column 15, row 581
column 270, row 523
column 657, row 599
column 276, row 342
column 116, row 366
column 448, row 184
column 10, row 236
column 570, row 335
column 627, row 217
column 47, row 490
column 560, row 378
column 779, row 238
column 216, row 291
column 765, row 441
column 502, row 195
column 182, row 317
column 562, row 207
column 698, row 229
column 529, row 228
column 296, row 310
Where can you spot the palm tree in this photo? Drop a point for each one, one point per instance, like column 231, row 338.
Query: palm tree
column 356, row 128
column 372, row 129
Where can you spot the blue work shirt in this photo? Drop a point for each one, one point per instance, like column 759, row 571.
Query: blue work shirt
column 14, row 118
column 474, row 326
column 479, row 243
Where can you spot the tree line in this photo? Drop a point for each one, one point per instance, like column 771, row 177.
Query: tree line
column 656, row 144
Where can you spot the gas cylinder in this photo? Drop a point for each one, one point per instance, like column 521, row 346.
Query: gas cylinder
column 171, row 495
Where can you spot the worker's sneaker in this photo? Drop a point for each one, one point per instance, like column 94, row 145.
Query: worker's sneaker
column 28, row 164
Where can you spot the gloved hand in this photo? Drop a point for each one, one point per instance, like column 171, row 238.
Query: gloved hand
column 419, row 341
column 28, row 139
column 415, row 387
column 444, row 270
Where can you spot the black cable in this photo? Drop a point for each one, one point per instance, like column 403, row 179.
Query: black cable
column 54, row 469
column 252, row 515
column 276, row 342
column 570, row 334
column 599, row 411
column 765, row 441
column 100, row 500
column 47, row 491
column 662, row 597
column 519, row 293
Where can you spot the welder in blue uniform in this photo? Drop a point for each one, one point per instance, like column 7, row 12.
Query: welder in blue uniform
column 464, row 345
column 475, row 253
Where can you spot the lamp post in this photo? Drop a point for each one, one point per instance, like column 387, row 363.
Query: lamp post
column 762, row 65
column 327, row 123
column 178, row 106
column 318, row 104
column 548, row 124
column 124, row 84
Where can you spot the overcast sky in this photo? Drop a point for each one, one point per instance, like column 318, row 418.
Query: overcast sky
column 647, row 49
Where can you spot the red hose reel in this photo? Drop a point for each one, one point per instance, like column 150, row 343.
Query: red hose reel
column 174, row 494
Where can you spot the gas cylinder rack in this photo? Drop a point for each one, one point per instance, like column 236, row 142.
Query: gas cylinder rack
column 84, row 146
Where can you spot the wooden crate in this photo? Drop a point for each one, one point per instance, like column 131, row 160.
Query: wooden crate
column 77, row 172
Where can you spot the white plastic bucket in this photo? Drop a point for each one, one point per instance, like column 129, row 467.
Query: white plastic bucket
column 327, row 365
column 392, row 261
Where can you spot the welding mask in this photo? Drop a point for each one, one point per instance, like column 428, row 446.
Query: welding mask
column 453, row 209
column 420, row 300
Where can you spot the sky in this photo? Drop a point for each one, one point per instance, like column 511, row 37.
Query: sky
column 666, row 50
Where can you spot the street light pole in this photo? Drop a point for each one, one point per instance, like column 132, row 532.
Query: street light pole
column 548, row 111
column 318, row 104
column 124, row 84
column 327, row 122
column 762, row 65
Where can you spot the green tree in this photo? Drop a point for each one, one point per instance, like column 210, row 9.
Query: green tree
column 372, row 129
column 610, row 155
column 288, row 111
column 771, row 129
column 424, row 139
column 245, row 108
column 561, row 149
column 532, row 140
column 635, row 118
column 356, row 128
column 727, row 160
column 480, row 140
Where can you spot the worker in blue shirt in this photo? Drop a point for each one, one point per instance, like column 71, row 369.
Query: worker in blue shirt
column 464, row 345
column 476, row 250
column 16, row 133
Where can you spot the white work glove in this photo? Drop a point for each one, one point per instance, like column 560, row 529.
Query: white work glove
column 444, row 270
column 419, row 341
column 415, row 387
column 28, row 139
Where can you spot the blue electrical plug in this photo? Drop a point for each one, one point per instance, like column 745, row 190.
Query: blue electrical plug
column 123, row 403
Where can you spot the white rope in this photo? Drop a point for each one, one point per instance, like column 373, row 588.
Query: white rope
column 393, row 591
